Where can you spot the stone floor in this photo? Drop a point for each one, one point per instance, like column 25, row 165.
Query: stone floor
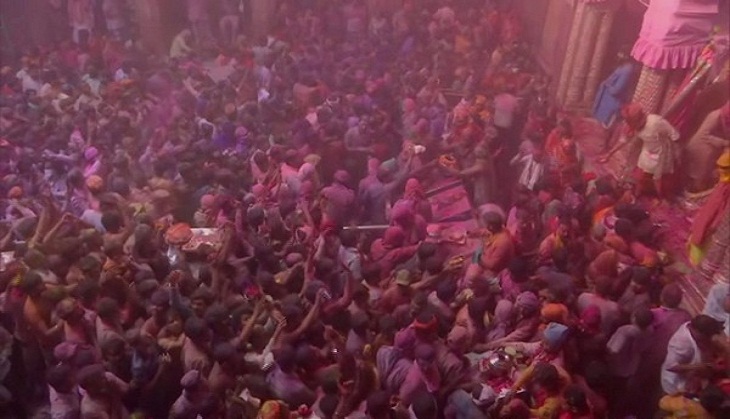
column 675, row 218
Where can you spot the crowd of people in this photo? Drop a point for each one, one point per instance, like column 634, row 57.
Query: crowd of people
column 327, row 290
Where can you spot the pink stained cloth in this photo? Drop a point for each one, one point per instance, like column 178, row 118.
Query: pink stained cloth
column 674, row 32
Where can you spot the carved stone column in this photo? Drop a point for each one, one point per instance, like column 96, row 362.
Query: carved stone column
column 599, row 55
column 583, row 56
column 149, row 19
column 262, row 16
column 570, row 53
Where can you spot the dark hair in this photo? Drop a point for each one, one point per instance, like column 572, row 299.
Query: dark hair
column 107, row 308
column 547, row 376
column 112, row 221
column 712, row 399
column 87, row 290
column 425, row 405
column 706, row 325
column 519, row 269
column 446, row 290
column 215, row 314
column 30, row 281
column 477, row 307
column 426, row 250
column 641, row 276
column 195, row 328
column 643, row 317
column 58, row 375
column 671, row 295
column 224, row 352
column 348, row 238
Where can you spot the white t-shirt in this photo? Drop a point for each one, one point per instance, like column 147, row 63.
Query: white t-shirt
column 681, row 350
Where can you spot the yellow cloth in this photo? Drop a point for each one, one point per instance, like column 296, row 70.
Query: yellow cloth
column 696, row 254
column 679, row 407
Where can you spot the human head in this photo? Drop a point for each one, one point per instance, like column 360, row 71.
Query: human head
column 60, row 378
column 703, row 328
column 197, row 330
column 527, row 304
column 200, row 300
column 424, row 405
column 640, row 279
column 547, row 378
column 69, row 310
column 32, row 284
column 113, row 349
column 493, row 222
column 671, row 296
column 91, row 378
column 634, row 116
column 642, row 318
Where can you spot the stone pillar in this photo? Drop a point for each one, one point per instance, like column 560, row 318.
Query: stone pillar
column 262, row 16
column 149, row 20
column 650, row 88
column 584, row 54
column 599, row 56
column 570, row 53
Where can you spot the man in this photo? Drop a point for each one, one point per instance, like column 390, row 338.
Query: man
column 498, row 248
column 196, row 397
column 181, row 44
column 709, row 237
column 284, row 382
column 687, row 355
column 610, row 311
column 478, row 172
column 103, row 393
column 707, row 144
column 338, row 199
column 658, row 141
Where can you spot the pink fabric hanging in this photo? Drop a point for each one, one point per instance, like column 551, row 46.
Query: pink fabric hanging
column 674, row 32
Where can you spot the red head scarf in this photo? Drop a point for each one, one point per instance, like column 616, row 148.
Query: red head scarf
column 635, row 118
